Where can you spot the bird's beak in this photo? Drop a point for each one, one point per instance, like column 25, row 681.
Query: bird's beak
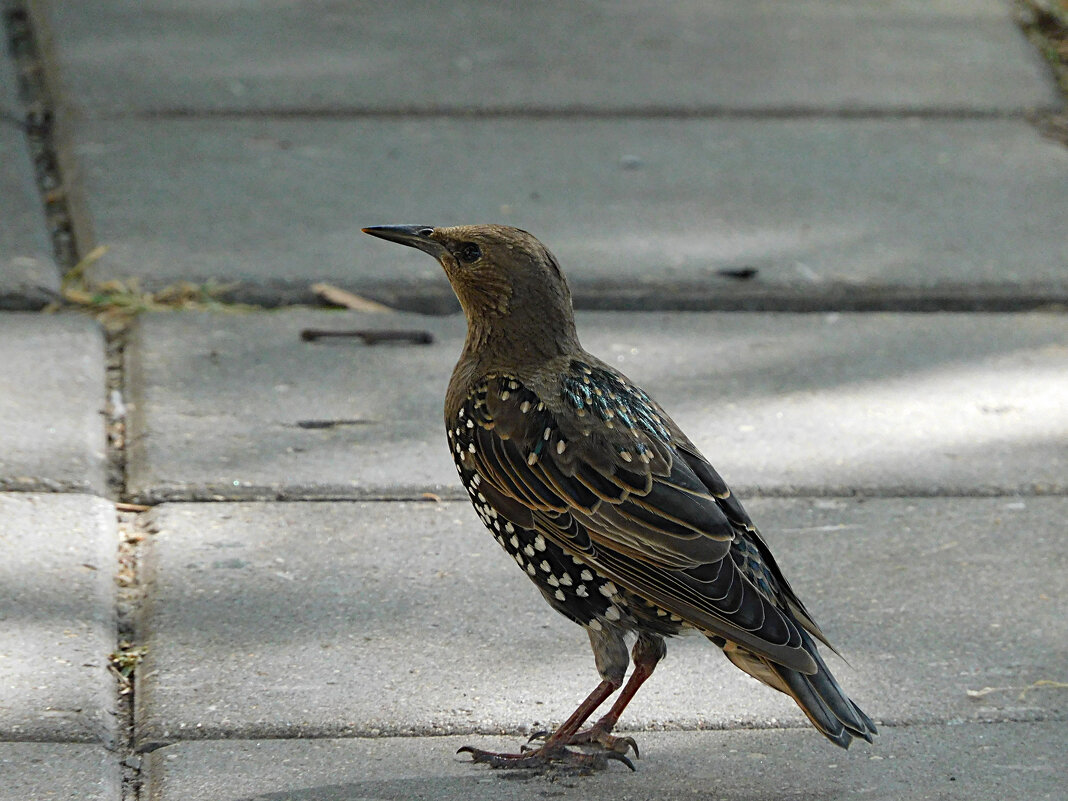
column 415, row 236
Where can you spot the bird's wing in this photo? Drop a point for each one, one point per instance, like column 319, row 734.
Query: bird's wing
column 604, row 478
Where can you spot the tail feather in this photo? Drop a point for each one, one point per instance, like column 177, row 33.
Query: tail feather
column 843, row 706
column 818, row 694
column 814, row 706
column 830, row 710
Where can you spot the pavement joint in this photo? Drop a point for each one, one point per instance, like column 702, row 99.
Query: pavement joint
column 148, row 745
column 129, row 601
column 223, row 493
column 38, row 124
column 132, row 531
column 826, row 297
column 576, row 113
column 115, row 409
column 522, row 732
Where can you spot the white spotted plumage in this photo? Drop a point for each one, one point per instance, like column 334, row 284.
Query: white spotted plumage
column 567, row 581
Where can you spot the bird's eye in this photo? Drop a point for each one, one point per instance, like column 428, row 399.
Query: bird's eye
column 469, row 252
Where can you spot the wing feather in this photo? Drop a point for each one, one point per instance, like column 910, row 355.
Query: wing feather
column 639, row 504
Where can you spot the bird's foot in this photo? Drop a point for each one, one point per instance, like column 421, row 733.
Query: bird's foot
column 599, row 735
column 550, row 755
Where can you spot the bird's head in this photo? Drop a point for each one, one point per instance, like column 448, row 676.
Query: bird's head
column 509, row 285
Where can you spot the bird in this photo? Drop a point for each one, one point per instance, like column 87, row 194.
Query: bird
column 602, row 500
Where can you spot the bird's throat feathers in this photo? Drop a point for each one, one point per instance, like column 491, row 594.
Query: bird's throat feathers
column 484, row 295
column 504, row 325
column 511, row 298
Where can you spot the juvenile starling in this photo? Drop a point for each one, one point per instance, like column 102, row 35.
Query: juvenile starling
column 600, row 498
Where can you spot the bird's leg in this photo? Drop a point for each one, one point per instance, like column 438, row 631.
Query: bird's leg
column 610, row 655
column 647, row 651
column 553, row 749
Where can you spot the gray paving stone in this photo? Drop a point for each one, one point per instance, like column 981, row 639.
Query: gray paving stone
column 831, row 213
column 27, row 271
column 328, row 619
column 47, row 771
column 1014, row 762
column 57, row 618
column 634, row 56
column 52, row 433
column 237, row 406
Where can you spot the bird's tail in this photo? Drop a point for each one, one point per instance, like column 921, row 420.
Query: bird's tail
column 820, row 697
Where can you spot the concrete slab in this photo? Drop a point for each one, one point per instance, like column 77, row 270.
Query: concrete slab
column 52, row 396
column 27, row 272
column 47, row 771
column 357, row 619
column 631, row 56
column 1015, row 762
column 57, row 596
column 238, row 406
column 891, row 213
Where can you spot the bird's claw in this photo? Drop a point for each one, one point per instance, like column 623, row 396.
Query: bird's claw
column 615, row 755
column 545, row 757
column 611, row 744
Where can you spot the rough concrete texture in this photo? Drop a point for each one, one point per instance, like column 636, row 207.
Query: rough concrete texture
column 238, row 406
column 897, row 55
column 328, row 619
column 57, row 618
column 838, row 213
column 1010, row 762
column 52, row 390
column 58, row 772
column 27, row 272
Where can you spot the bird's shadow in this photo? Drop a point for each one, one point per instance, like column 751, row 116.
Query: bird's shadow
column 484, row 784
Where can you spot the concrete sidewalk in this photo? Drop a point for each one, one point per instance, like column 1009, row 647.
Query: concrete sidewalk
column 854, row 157
column 323, row 616
column 787, row 403
column 1015, row 763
